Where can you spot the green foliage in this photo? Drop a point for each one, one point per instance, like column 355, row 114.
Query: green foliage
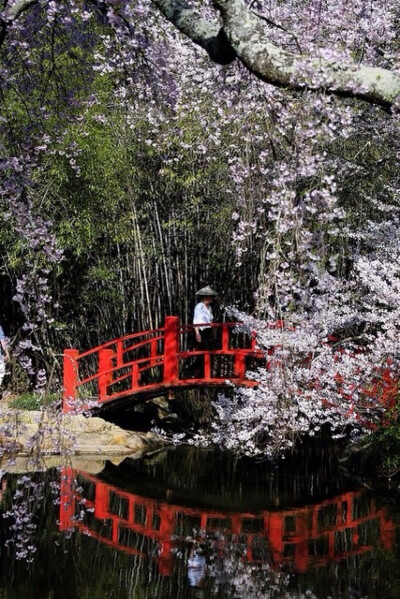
column 384, row 450
column 33, row 401
column 27, row 401
column 19, row 380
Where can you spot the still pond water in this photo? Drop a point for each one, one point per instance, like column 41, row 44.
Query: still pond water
column 186, row 523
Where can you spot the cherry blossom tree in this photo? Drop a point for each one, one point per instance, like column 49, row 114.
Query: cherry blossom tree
column 297, row 108
column 240, row 30
column 234, row 29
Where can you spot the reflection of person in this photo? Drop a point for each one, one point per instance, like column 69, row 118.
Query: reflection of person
column 4, row 354
column 203, row 318
column 196, row 566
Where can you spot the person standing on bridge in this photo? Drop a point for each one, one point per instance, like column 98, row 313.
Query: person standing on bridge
column 4, row 354
column 202, row 320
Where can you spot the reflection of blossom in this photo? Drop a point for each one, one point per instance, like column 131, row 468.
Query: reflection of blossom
column 219, row 563
column 27, row 498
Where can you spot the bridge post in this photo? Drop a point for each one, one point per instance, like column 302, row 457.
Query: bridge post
column 239, row 366
column 275, row 535
column 225, row 337
column 167, row 515
column 171, row 349
column 70, row 379
column 105, row 374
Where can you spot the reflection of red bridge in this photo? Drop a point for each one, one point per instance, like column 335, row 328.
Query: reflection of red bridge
column 297, row 538
column 142, row 364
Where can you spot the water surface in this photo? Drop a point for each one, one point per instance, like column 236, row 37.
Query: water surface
column 191, row 523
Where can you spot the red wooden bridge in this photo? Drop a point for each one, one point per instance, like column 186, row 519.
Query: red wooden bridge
column 141, row 365
column 292, row 539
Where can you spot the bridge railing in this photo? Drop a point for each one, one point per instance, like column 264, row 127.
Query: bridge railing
column 163, row 358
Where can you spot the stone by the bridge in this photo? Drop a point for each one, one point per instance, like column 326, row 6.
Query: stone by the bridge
column 35, row 435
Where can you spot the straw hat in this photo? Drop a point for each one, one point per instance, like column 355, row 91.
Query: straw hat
column 206, row 291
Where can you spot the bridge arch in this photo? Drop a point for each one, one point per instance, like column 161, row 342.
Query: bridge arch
column 140, row 365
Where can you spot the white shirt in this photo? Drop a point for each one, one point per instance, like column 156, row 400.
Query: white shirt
column 202, row 315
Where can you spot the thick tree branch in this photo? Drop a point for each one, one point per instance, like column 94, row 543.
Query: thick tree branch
column 244, row 36
column 15, row 9
column 274, row 65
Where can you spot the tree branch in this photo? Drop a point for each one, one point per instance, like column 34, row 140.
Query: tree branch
column 18, row 7
column 243, row 36
column 274, row 65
